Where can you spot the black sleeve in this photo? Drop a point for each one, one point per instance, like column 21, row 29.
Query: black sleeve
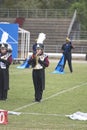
column 32, row 62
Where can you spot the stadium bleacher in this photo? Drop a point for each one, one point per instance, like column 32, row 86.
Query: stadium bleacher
column 55, row 29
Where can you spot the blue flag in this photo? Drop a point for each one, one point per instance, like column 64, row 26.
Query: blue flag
column 24, row 65
column 59, row 68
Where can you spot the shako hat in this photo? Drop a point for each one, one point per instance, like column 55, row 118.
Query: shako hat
column 40, row 46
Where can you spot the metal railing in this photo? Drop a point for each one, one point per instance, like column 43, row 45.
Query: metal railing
column 35, row 13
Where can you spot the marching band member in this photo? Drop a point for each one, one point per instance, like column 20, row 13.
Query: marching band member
column 5, row 61
column 66, row 48
column 39, row 62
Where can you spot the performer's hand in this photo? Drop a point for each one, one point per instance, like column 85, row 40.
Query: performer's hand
column 39, row 51
column 33, row 56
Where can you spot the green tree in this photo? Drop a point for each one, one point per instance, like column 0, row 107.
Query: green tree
column 28, row 4
column 81, row 8
column 7, row 3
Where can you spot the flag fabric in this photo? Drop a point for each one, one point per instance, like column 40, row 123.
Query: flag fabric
column 78, row 116
column 59, row 68
column 24, row 65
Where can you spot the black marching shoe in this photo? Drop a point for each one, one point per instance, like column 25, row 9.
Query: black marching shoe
column 37, row 100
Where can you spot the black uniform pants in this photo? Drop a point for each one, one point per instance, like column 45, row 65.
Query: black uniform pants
column 39, row 83
column 3, row 94
column 69, row 59
column 4, row 83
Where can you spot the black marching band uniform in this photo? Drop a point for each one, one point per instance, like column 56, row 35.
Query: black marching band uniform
column 39, row 62
column 67, row 47
column 5, row 61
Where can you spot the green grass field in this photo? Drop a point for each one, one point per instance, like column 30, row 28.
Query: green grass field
column 64, row 94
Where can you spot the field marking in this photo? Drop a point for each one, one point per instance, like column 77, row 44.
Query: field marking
column 54, row 95
column 42, row 114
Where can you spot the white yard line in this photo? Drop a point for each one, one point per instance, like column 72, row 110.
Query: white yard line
column 54, row 95
column 42, row 114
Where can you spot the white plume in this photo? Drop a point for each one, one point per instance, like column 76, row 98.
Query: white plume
column 41, row 38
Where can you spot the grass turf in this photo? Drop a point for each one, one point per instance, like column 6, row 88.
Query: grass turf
column 64, row 94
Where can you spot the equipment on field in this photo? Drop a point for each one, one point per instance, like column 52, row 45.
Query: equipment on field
column 24, row 65
column 3, row 117
column 59, row 68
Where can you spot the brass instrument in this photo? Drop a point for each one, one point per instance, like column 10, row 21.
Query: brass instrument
column 37, row 57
